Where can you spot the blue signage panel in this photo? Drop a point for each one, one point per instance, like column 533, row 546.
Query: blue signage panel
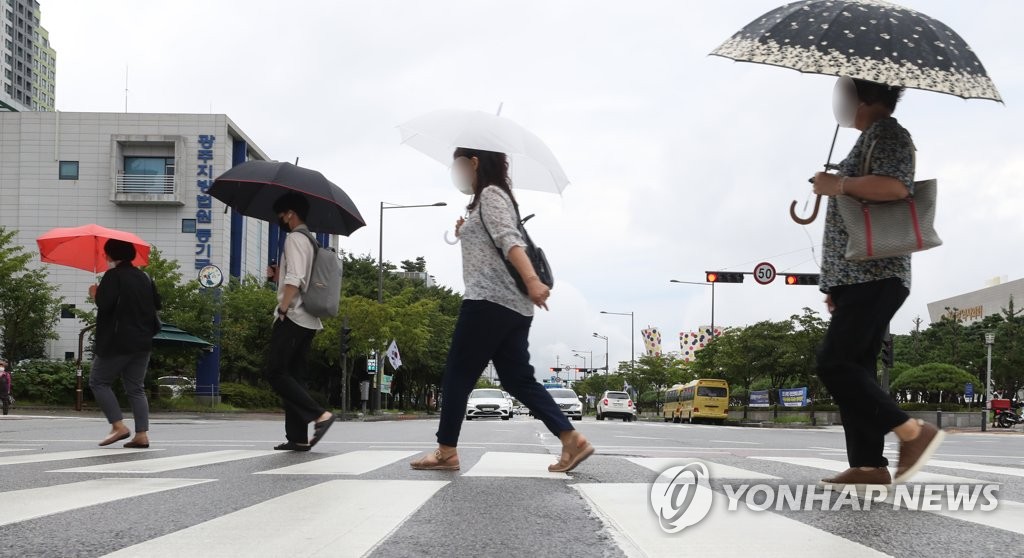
column 793, row 397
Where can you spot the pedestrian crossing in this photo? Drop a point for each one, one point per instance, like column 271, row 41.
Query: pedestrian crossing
column 355, row 516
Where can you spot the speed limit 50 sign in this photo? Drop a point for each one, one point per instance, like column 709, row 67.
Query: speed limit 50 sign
column 764, row 273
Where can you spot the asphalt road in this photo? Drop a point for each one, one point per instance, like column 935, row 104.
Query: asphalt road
column 214, row 487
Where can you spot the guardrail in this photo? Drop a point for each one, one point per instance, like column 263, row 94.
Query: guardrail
column 144, row 184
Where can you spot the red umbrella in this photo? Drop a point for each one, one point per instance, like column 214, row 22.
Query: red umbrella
column 82, row 247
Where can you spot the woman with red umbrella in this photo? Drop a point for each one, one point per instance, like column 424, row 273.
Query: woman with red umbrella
column 126, row 321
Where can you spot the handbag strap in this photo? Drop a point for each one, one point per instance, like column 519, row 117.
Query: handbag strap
column 480, row 209
column 865, row 163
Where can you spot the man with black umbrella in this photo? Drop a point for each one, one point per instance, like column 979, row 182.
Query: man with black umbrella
column 294, row 329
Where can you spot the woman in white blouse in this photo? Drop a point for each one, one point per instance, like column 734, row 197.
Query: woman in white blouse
column 495, row 316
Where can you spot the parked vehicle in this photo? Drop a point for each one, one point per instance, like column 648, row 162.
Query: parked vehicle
column 616, row 404
column 700, row 399
column 488, row 403
column 175, row 386
column 1007, row 418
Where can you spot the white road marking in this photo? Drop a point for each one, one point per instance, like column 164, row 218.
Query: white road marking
column 340, row 518
column 626, row 511
column 978, row 467
column 716, row 471
column 22, row 505
column 839, row 466
column 173, row 463
column 508, row 464
column 734, row 442
column 63, row 455
column 351, row 463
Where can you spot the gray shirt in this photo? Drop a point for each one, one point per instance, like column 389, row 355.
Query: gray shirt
column 483, row 270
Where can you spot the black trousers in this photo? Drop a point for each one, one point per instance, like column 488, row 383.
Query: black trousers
column 847, row 365
column 484, row 332
column 286, row 371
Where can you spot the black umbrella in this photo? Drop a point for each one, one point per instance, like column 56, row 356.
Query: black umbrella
column 251, row 188
column 870, row 40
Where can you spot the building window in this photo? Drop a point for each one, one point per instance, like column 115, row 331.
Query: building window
column 188, row 226
column 68, row 170
column 65, row 311
column 69, row 356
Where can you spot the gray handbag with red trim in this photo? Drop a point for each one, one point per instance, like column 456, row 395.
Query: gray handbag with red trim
column 889, row 229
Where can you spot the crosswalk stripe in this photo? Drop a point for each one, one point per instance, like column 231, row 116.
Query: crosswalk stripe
column 626, row 511
column 351, row 463
column 510, row 464
column 338, row 518
column 173, row 463
column 978, row 467
column 63, row 455
column 715, row 470
column 30, row 503
column 839, row 466
column 1008, row 516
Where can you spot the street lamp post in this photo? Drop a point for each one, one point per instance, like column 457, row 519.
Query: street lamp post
column 990, row 339
column 590, row 353
column 599, row 336
column 712, row 300
column 632, row 337
column 380, row 279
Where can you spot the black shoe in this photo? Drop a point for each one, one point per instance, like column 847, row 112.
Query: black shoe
column 321, row 428
column 292, row 446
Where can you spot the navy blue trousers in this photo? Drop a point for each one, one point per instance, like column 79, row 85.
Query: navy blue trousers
column 484, row 332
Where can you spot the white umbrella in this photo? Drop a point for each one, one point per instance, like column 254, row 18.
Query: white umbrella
column 532, row 165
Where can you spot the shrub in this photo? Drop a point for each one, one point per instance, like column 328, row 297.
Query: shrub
column 248, row 397
column 50, row 382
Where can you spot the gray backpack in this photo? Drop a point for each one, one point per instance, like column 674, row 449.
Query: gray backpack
column 323, row 289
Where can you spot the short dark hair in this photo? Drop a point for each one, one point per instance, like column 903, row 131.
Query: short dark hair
column 871, row 92
column 293, row 201
column 119, row 250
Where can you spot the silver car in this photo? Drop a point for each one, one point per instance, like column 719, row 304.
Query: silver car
column 568, row 402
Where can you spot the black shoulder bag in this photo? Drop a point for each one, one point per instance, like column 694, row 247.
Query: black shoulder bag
column 533, row 252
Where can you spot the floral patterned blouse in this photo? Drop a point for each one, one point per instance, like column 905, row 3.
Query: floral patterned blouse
column 483, row 270
column 893, row 156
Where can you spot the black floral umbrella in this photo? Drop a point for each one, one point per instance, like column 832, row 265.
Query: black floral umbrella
column 866, row 39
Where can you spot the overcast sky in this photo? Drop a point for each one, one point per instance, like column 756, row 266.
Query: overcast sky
column 680, row 162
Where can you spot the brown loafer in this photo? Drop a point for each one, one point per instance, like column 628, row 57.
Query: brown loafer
column 859, row 477
column 437, row 462
column 570, row 459
column 914, row 454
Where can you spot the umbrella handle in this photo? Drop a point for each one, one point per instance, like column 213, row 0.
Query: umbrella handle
column 449, row 241
column 807, row 220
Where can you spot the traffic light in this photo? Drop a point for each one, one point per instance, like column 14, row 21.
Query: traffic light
column 723, row 276
column 887, row 351
column 346, row 339
column 556, row 369
column 801, row 278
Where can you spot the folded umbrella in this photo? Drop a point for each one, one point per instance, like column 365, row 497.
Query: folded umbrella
column 532, row 165
column 251, row 188
column 82, row 247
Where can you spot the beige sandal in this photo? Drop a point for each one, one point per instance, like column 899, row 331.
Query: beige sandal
column 437, row 462
column 569, row 459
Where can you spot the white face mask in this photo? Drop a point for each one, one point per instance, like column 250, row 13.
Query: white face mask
column 845, row 102
column 462, row 181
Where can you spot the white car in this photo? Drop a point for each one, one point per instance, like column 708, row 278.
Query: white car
column 568, row 402
column 488, row 403
column 616, row 404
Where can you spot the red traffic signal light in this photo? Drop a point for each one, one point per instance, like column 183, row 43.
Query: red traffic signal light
column 723, row 277
column 801, row 278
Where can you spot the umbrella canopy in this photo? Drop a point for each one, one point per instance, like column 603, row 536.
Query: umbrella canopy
column 170, row 335
column 532, row 165
column 251, row 188
column 870, row 40
column 82, row 247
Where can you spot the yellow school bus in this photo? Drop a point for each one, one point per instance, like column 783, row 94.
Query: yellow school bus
column 704, row 399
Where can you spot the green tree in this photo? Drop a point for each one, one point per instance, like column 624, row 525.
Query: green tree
column 246, row 323
column 29, row 305
column 933, row 382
